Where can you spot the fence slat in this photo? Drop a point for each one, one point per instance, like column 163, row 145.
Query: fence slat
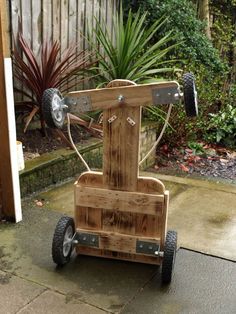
column 36, row 26
column 56, row 19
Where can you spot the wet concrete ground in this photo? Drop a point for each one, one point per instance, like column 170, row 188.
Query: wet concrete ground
column 202, row 213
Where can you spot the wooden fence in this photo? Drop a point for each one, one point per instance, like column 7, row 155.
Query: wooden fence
column 63, row 20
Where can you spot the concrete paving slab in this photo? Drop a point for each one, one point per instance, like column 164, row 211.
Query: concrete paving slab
column 16, row 293
column 26, row 251
column 60, row 198
column 201, row 285
column 205, row 220
column 51, row 302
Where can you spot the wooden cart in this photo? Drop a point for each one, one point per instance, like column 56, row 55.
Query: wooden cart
column 118, row 214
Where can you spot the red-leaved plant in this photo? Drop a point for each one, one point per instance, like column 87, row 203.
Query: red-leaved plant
column 49, row 69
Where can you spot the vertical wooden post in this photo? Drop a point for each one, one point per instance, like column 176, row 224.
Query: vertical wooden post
column 10, row 191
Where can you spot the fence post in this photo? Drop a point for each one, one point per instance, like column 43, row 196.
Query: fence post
column 9, row 177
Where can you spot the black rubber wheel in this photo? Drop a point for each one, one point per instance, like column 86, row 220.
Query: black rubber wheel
column 190, row 95
column 52, row 107
column 169, row 256
column 62, row 240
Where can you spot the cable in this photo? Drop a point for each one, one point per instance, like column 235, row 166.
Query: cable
column 73, row 144
column 160, row 136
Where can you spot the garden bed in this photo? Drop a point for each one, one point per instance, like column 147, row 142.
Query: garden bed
column 213, row 162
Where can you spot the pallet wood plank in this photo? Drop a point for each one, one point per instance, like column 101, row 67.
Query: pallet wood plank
column 118, row 255
column 134, row 96
column 133, row 202
column 119, row 242
column 120, row 165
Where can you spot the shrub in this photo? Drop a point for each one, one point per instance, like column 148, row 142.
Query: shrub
column 222, row 127
column 194, row 47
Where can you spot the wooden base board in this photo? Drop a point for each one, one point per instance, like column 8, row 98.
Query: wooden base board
column 141, row 225
column 82, row 250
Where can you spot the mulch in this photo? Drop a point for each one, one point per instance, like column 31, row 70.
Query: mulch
column 34, row 144
column 214, row 161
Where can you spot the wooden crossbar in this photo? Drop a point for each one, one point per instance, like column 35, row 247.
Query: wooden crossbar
column 134, row 202
column 132, row 96
column 118, row 242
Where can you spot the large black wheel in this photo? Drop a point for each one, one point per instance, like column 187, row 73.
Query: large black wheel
column 190, row 95
column 53, row 108
column 62, row 241
column 169, row 256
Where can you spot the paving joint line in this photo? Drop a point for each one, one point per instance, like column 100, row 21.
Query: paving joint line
column 138, row 292
column 32, row 300
column 48, row 288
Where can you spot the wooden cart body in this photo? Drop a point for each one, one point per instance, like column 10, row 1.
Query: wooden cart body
column 119, row 214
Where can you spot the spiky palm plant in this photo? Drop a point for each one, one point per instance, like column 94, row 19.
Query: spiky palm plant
column 128, row 52
column 46, row 70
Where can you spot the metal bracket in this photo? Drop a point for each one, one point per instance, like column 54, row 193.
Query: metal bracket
column 78, row 104
column 113, row 118
column 166, row 95
column 131, row 121
column 86, row 239
column 149, row 248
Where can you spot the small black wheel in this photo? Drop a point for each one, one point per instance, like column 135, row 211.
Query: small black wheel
column 169, row 256
column 190, row 95
column 53, row 109
column 62, row 240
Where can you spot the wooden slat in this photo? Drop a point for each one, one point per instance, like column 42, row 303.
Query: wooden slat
column 134, row 96
column 118, row 242
column 64, row 25
column 56, row 19
column 36, row 33
column 26, row 21
column 120, row 159
column 119, row 255
column 47, row 19
column 133, row 202
column 164, row 219
column 72, row 21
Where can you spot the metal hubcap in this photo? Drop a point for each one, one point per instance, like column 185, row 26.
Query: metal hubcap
column 57, row 108
column 67, row 243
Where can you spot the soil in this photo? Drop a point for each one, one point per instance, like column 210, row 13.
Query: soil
column 212, row 161
column 34, row 144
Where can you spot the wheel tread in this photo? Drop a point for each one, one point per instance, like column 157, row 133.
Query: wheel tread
column 169, row 252
column 46, row 107
column 58, row 238
column 189, row 97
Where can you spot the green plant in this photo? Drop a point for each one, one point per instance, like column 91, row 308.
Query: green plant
column 194, row 47
column 131, row 54
column 222, row 127
column 49, row 69
column 196, row 147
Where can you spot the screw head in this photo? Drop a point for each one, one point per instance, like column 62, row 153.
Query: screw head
column 121, row 98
